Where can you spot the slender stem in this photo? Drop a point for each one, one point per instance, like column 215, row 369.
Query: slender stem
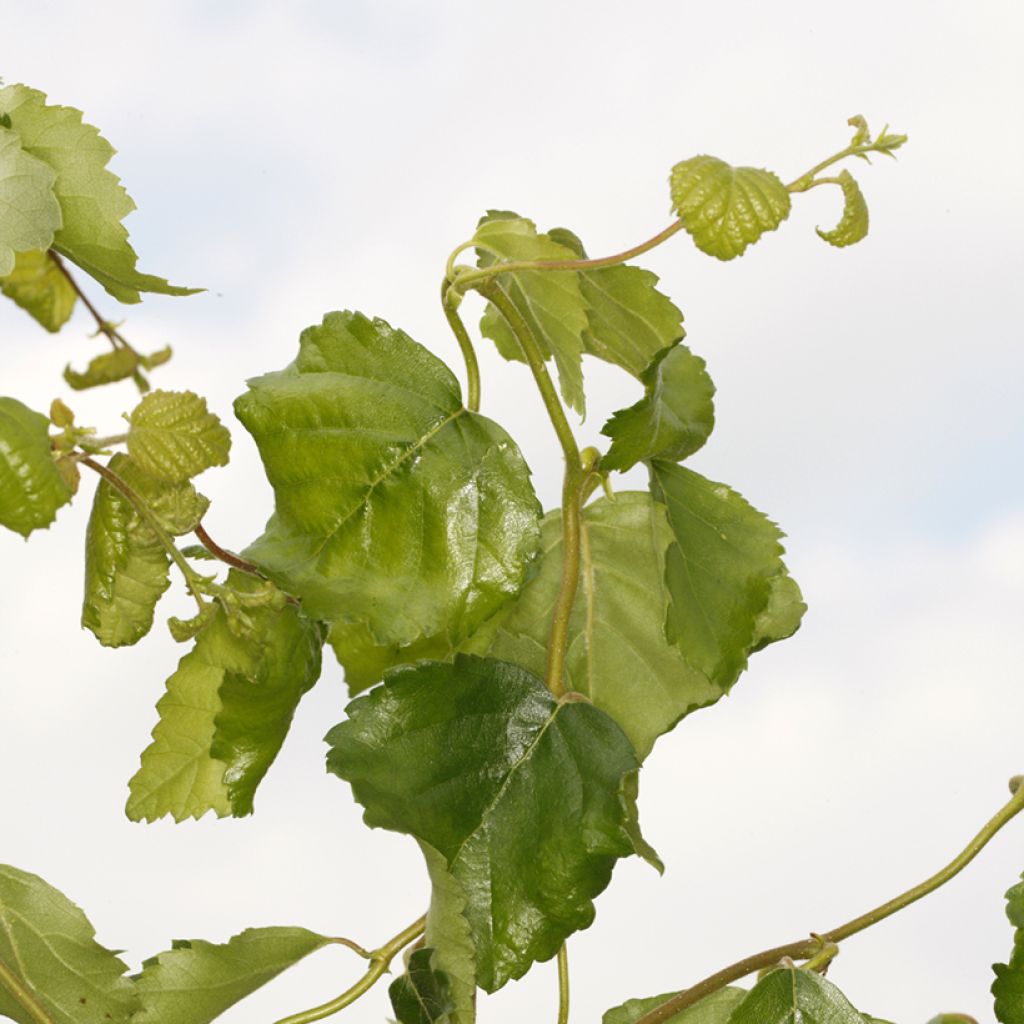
column 563, row 985
column 10, row 982
column 380, row 960
column 100, row 444
column 102, row 325
column 191, row 578
column 804, row 949
column 224, row 555
column 805, row 182
column 465, row 344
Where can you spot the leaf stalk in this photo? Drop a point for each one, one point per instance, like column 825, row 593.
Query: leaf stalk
column 23, row 996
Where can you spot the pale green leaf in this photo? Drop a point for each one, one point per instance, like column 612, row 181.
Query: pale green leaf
column 853, row 225
column 92, row 200
column 421, row 995
column 726, row 208
column 790, row 995
column 365, row 660
column 782, row 615
column 49, row 946
column 29, row 212
column 673, row 419
column 520, row 793
column 226, row 713
column 721, row 572
column 31, row 485
column 38, row 286
column 617, row 654
column 395, row 506
column 173, row 436
column 195, row 981
column 106, row 368
column 713, row 1009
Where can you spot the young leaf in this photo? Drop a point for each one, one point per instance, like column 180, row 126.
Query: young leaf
column 194, row 982
column 853, row 226
column 226, row 713
column 31, row 486
column 92, row 201
column 713, row 1009
column 726, row 208
column 106, row 368
column 1008, row 988
column 173, row 437
column 782, row 615
column 38, row 286
column 721, row 572
column 420, row 996
column 520, row 793
column 618, row 655
column 49, row 947
column 790, row 995
column 29, row 212
column 673, row 419
column 395, row 506
column 365, row 660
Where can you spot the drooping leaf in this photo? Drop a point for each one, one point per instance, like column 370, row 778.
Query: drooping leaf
column 29, row 212
column 1008, row 987
column 853, row 225
column 195, row 981
column 617, row 654
column 550, row 301
column 726, row 208
column 421, row 996
column 520, row 793
column 713, row 1009
column 92, row 200
column 791, row 995
column 106, row 368
column 395, row 506
column 673, row 419
column 226, row 712
column 721, row 572
column 31, row 486
column 38, row 286
column 49, row 946
column 173, row 436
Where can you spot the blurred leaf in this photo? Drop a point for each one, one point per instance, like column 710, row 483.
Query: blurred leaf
column 38, row 286
column 29, row 212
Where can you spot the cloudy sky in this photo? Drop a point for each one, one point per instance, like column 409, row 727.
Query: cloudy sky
column 299, row 158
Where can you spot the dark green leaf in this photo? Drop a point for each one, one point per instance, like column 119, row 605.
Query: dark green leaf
column 521, row 794
column 38, row 286
column 1008, row 988
column 790, row 995
column 420, row 996
column 31, row 486
column 713, row 1009
column 853, row 226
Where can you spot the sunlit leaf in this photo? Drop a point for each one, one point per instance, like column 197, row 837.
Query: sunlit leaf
column 29, row 212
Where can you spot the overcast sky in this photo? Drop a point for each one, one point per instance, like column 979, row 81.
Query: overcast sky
column 299, row 158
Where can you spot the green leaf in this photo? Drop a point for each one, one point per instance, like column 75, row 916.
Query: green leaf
column 196, row 981
column 29, row 212
column 173, row 436
column 782, row 615
column 38, row 286
column 721, row 573
column 92, row 201
column 395, row 506
column 790, row 995
column 420, row 996
column 365, row 660
column 1008, row 988
column 713, row 1009
column 617, row 654
column 520, row 793
column 673, row 419
column 550, row 301
column 107, row 368
column 726, row 208
column 49, row 946
column 853, row 226
column 31, row 486
column 226, row 713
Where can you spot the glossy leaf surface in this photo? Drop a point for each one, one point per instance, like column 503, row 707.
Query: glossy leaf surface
column 853, row 225
column 421, row 996
column 713, row 1009
column 795, row 996
column 38, row 286
column 521, row 794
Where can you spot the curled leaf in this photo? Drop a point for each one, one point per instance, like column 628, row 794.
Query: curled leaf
column 853, row 226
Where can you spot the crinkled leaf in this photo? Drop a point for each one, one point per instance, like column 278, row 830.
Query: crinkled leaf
column 713, row 1009
column 721, row 572
column 1008, row 988
column 726, row 208
column 550, row 301
column 520, row 793
column 38, row 286
column 49, row 946
column 395, row 506
column 106, row 368
column 226, row 713
column 790, row 995
column 853, row 225
column 365, row 660
column 29, row 212
column 195, row 981
column 617, row 655
column 421, row 995
column 673, row 419
column 92, row 200
column 173, row 436
column 31, row 486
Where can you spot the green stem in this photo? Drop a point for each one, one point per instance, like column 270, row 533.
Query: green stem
column 465, row 344
column 192, row 579
column 804, row 949
column 94, row 445
column 563, row 986
column 380, row 960
column 805, row 181
column 23, row 996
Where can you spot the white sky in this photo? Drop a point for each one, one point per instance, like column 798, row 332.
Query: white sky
column 311, row 156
